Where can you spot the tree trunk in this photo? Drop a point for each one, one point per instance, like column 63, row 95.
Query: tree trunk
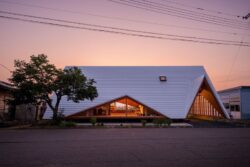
column 55, row 115
column 42, row 110
column 54, row 108
column 36, row 114
column 55, row 111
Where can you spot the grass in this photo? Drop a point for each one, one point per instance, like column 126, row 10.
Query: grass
column 68, row 124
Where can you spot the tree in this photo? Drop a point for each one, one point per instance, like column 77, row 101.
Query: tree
column 38, row 79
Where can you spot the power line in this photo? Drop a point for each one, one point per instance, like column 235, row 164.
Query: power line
column 120, row 19
column 235, row 59
column 156, row 4
column 183, row 15
column 183, row 12
column 5, row 67
column 126, row 33
column 180, row 15
column 114, row 28
column 202, row 9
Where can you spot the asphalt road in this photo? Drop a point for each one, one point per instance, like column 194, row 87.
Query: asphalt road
column 156, row 147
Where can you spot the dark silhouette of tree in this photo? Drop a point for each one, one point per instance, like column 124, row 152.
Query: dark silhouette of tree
column 37, row 80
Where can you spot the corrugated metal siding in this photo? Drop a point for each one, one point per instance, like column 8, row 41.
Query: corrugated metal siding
column 245, row 103
column 171, row 98
column 231, row 97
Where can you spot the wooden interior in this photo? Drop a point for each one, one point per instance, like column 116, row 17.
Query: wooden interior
column 124, row 107
column 205, row 105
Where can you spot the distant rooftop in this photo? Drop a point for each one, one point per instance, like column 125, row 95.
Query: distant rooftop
column 234, row 88
column 6, row 85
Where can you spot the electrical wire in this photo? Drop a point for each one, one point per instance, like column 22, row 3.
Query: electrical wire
column 177, row 14
column 120, row 19
column 113, row 28
column 126, row 33
column 5, row 67
column 203, row 9
column 234, row 61
column 182, row 12
column 148, row 2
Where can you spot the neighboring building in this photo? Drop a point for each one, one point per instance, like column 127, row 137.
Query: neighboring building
column 147, row 92
column 24, row 112
column 237, row 101
column 5, row 94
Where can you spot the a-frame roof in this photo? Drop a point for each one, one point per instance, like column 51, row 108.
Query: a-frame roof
column 172, row 98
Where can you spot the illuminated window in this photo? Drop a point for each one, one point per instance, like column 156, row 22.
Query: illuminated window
column 123, row 107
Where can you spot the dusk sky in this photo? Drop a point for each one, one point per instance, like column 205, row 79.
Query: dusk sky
column 227, row 65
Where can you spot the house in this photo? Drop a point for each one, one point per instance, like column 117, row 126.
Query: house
column 23, row 112
column 5, row 94
column 237, row 101
column 146, row 92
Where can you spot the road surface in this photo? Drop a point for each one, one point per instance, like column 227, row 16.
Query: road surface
column 126, row 147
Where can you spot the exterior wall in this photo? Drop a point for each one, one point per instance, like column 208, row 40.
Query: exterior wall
column 232, row 102
column 25, row 112
column 4, row 108
column 3, row 96
column 245, row 103
column 22, row 112
column 30, row 112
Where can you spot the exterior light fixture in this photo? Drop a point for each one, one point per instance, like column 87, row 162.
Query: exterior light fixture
column 163, row 78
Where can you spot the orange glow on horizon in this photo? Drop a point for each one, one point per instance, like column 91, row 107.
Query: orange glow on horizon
column 227, row 66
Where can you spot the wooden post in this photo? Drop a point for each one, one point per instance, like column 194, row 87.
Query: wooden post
column 126, row 101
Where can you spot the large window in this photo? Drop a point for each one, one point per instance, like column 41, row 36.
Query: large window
column 235, row 108
column 226, row 105
column 123, row 107
column 126, row 107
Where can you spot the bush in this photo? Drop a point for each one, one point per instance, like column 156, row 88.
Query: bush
column 156, row 122
column 100, row 124
column 168, row 122
column 67, row 124
column 44, row 122
column 93, row 121
column 60, row 118
column 144, row 122
column 162, row 121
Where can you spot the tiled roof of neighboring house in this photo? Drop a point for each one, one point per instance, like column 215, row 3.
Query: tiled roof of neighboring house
column 6, row 86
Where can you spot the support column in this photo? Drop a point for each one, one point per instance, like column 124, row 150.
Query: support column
column 126, row 101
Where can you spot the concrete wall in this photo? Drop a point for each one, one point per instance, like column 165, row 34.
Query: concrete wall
column 25, row 112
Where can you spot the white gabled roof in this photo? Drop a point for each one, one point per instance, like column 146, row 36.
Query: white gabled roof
column 172, row 98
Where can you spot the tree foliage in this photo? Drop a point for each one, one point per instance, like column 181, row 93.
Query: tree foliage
column 37, row 79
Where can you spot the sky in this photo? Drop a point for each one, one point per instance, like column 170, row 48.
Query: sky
column 227, row 65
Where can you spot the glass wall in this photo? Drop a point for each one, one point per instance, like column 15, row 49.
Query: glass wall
column 123, row 107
